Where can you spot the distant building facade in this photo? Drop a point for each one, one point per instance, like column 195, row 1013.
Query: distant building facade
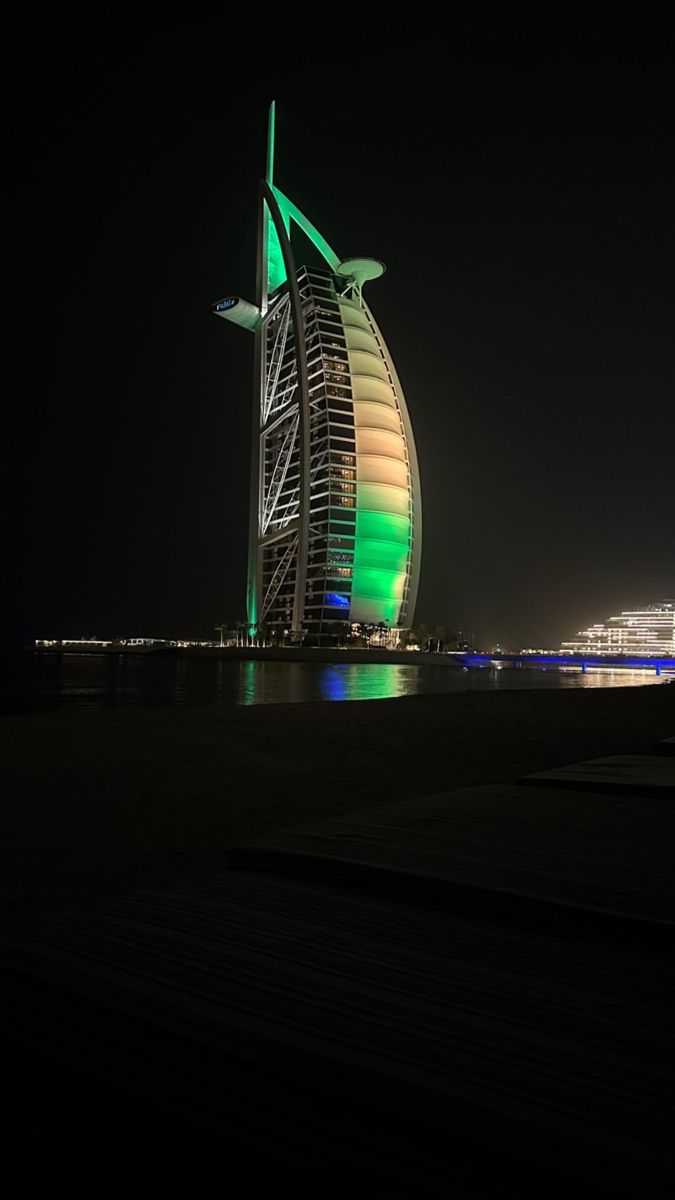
column 336, row 519
column 649, row 630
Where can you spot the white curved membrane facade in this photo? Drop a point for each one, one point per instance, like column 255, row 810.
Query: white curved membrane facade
column 384, row 485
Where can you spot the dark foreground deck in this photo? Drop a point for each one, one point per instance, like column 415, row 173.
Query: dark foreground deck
column 469, row 995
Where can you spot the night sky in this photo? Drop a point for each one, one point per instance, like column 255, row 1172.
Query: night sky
column 520, row 190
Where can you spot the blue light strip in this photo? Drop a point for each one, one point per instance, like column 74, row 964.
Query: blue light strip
column 577, row 660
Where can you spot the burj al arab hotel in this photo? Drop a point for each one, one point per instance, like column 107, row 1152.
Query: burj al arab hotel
column 336, row 520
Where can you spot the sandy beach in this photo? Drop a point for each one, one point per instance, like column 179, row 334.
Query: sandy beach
column 97, row 803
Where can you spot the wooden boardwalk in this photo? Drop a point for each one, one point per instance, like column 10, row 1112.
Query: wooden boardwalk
column 413, row 997
column 582, row 850
column 639, row 775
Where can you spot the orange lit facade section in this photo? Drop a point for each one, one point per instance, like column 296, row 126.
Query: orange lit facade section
column 383, row 479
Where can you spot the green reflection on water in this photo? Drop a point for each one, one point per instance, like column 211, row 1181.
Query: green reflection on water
column 294, row 682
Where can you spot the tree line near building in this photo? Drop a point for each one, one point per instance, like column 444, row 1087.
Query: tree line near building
column 430, row 638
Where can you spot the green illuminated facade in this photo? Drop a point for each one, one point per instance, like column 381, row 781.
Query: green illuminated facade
column 335, row 530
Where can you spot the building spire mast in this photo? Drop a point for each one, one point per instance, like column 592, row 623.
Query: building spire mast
column 270, row 142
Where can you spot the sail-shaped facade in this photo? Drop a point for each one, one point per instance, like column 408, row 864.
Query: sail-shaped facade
column 335, row 528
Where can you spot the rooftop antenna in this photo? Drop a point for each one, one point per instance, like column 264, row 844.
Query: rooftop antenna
column 270, row 142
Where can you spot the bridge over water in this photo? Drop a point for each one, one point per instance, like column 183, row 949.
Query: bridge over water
column 585, row 662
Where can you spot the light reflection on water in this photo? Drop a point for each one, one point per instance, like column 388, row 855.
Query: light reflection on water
column 112, row 681
column 376, row 681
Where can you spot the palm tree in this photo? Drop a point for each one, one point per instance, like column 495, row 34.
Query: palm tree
column 421, row 636
column 226, row 628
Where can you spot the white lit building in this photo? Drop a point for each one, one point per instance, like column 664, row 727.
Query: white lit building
column 649, row 630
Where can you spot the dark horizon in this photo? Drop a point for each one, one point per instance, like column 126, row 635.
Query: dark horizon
column 521, row 197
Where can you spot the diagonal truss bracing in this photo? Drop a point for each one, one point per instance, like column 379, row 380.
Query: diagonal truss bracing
column 279, row 575
column 278, row 479
column 275, row 397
